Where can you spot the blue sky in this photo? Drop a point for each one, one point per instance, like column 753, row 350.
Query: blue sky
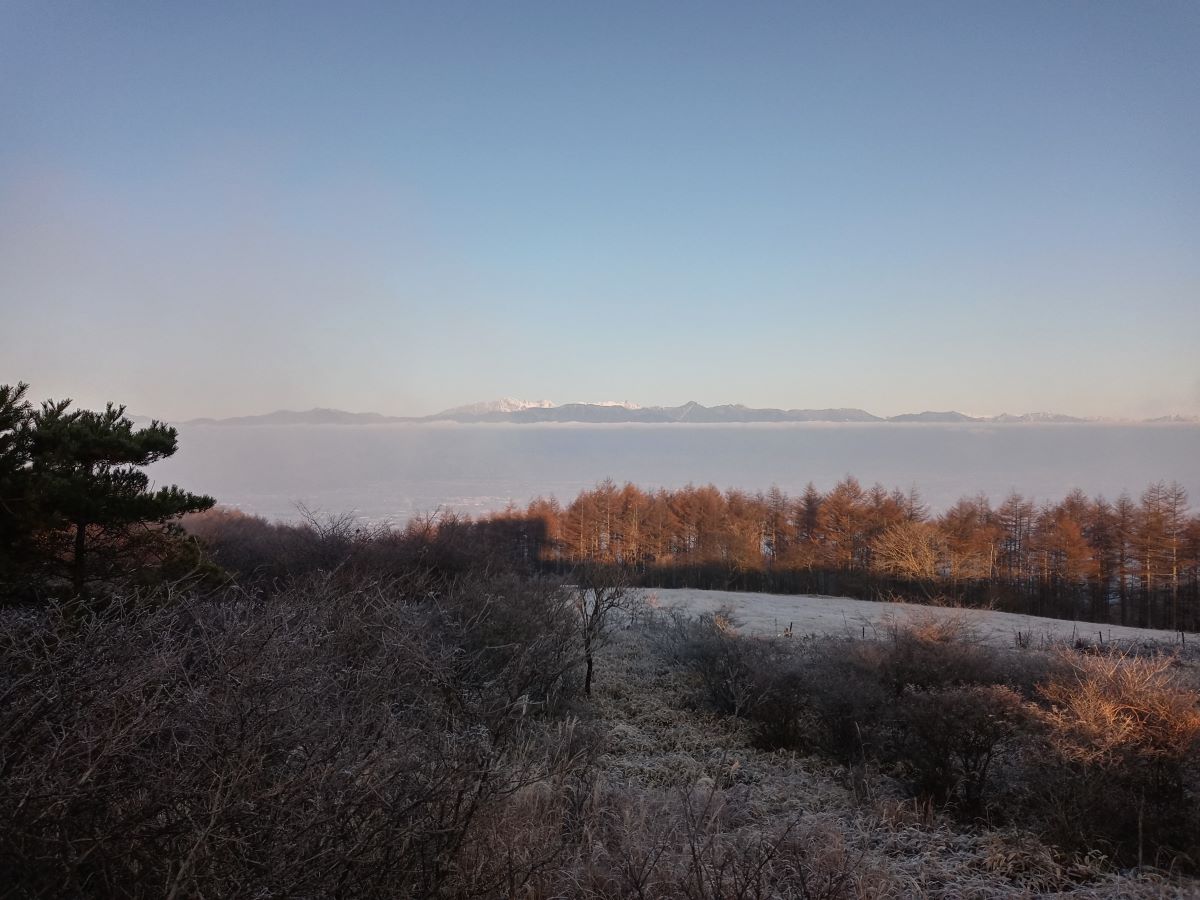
column 217, row 209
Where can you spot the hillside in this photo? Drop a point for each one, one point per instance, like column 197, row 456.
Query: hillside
column 811, row 614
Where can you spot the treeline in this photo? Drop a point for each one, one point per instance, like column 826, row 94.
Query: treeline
column 1128, row 561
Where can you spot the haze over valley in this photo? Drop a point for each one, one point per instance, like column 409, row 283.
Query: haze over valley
column 394, row 471
column 484, row 456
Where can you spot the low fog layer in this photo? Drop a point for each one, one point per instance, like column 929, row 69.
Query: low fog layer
column 395, row 471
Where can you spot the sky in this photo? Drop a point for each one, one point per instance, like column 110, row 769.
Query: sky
column 229, row 208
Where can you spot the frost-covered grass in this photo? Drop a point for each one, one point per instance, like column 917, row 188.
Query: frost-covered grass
column 811, row 614
column 322, row 743
column 854, row 821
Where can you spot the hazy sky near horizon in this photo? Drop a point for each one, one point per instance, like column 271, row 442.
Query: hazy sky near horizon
column 228, row 208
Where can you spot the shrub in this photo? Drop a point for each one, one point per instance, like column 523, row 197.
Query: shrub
column 523, row 633
column 426, row 557
column 321, row 744
column 936, row 653
column 843, row 701
column 948, row 738
column 1117, row 764
column 701, row 844
column 254, row 549
column 730, row 669
column 779, row 713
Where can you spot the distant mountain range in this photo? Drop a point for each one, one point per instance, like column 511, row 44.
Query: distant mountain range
column 310, row 417
column 622, row 412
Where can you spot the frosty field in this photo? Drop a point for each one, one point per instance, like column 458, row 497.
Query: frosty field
column 810, row 614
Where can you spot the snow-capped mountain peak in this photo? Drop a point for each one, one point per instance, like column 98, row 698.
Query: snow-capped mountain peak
column 623, row 404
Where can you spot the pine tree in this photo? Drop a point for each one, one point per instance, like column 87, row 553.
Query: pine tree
column 78, row 493
column 15, row 532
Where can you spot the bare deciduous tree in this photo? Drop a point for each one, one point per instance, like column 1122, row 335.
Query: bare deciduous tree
column 602, row 595
column 910, row 549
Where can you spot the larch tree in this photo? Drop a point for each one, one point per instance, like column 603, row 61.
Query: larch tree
column 1125, row 523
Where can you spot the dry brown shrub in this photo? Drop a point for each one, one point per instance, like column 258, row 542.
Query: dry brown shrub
column 1118, row 770
column 316, row 745
column 1117, row 709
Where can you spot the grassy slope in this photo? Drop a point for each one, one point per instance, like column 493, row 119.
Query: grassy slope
column 661, row 747
column 844, row 617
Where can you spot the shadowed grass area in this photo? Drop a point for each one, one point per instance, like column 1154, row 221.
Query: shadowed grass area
column 373, row 739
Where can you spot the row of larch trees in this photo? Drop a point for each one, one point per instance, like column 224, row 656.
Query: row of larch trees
column 1133, row 561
